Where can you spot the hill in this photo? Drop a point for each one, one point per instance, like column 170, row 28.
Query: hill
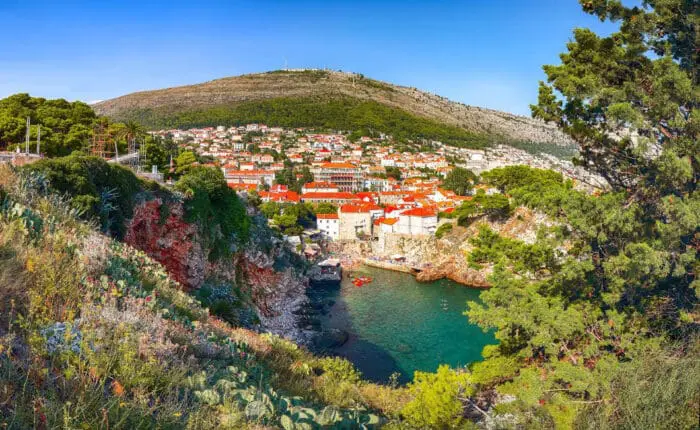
column 327, row 99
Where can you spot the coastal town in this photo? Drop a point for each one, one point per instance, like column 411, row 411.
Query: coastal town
column 375, row 186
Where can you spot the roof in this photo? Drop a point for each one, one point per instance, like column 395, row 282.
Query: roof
column 340, row 195
column 243, row 187
column 248, row 172
column 420, row 212
column 359, row 208
column 387, row 221
column 320, row 185
column 338, row 166
column 327, row 216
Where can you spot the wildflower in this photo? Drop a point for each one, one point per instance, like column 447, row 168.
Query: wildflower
column 117, row 388
column 177, row 414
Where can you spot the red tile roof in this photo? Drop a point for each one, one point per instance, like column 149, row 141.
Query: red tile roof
column 341, row 195
column 327, row 216
column 359, row 208
column 420, row 212
column 320, row 185
column 338, row 166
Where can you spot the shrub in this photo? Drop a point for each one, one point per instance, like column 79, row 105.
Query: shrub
column 436, row 398
column 100, row 190
column 443, row 230
column 216, row 209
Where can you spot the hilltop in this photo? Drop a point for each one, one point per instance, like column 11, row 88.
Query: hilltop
column 331, row 99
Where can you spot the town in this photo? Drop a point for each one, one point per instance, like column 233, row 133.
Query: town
column 365, row 187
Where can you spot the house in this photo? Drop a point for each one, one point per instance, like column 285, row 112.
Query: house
column 319, row 187
column 417, row 221
column 336, row 198
column 280, row 194
column 346, row 176
column 357, row 219
column 329, row 225
column 257, row 177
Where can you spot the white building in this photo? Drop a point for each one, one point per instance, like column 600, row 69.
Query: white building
column 329, row 225
column 417, row 221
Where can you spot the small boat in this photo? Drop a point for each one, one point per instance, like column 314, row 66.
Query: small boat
column 361, row 280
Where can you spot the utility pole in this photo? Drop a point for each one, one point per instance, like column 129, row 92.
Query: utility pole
column 26, row 142
column 38, row 141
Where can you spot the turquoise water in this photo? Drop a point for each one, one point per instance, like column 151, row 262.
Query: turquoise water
column 397, row 324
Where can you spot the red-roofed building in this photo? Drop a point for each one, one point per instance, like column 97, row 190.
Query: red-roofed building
column 336, row 198
column 279, row 194
column 417, row 221
column 346, row 176
column 257, row 177
column 319, row 187
column 329, row 225
column 243, row 187
column 356, row 219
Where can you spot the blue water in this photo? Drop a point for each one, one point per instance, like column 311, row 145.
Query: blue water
column 397, row 324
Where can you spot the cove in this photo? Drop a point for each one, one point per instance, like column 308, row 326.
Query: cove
column 396, row 324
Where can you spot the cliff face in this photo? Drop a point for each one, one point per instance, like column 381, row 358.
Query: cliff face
column 446, row 257
column 158, row 229
column 161, row 232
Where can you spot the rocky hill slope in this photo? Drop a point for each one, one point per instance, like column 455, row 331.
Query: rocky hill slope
column 152, row 107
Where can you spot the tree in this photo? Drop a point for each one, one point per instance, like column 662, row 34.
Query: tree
column 633, row 114
column 393, row 172
column 215, row 208
column 155, row 153
column 184, row 161
column 325, row 208
column 460, row 180
column 576, row 326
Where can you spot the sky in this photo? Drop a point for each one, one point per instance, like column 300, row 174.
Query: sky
column 486, row 53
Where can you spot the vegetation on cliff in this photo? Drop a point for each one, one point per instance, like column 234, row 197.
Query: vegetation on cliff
column 623, row 298
column 93, row 333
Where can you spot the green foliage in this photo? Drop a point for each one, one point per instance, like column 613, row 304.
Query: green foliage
column 156, row 153
column 325, row 208
column 393, row 172
column 659, row 390
column 443, row 230
column 491, row 205
column 216, row 208
column 460, row 180
column 337, row 113
column 643, row 79
column 184, row 161
column 437, row 398
column 100, row 190
column 595, row 332
column 65, row 126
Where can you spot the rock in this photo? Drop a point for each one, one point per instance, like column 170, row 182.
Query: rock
column 330, row 339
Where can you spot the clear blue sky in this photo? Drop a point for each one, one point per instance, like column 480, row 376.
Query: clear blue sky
column 485, row 53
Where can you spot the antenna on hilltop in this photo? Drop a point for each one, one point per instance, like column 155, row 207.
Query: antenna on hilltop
column 285, row 64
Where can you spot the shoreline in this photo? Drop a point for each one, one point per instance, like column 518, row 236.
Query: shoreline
column 352, row 263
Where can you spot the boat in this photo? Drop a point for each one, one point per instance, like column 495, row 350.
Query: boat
column 361, row 280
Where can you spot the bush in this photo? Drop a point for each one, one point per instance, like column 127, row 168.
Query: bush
column 436, row 398
column 443, row 230
column 100, row 190
column 211, row 204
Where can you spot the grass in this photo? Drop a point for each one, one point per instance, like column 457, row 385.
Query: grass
column 95, row 334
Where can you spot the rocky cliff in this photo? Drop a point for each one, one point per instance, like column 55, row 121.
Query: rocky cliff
column 447, row 257
column 276, row 290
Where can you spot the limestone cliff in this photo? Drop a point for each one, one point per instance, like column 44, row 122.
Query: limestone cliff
column 436, row 259
column 260, row 270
